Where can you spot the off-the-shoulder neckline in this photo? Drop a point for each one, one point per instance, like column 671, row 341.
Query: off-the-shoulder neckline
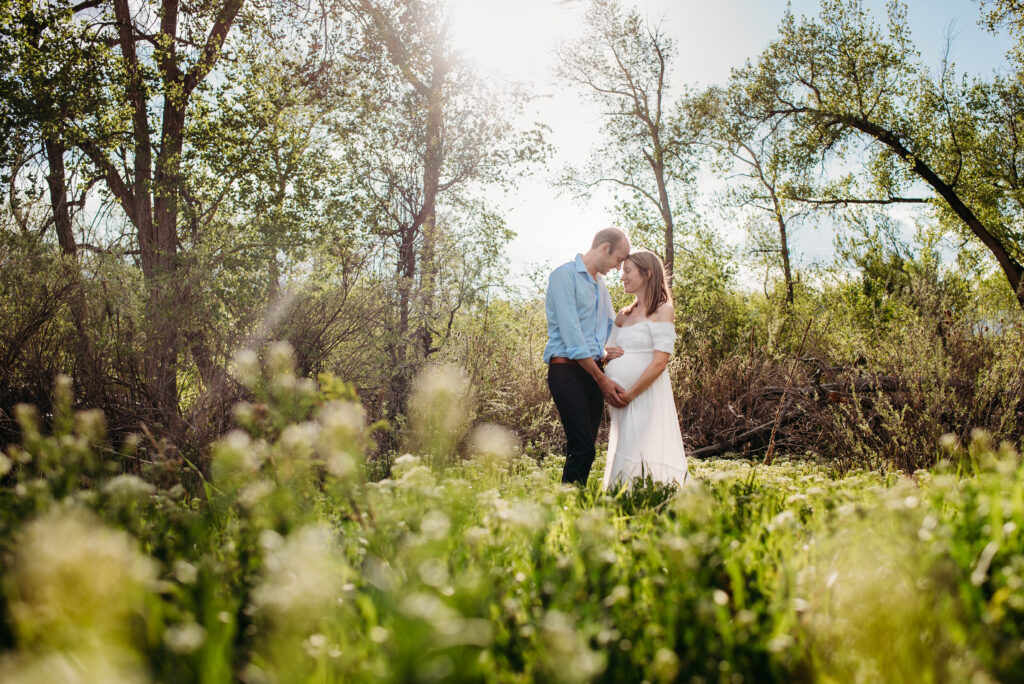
column 633, row 325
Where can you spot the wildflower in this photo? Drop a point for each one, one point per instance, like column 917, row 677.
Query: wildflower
column 297, row 439
column 404, row 463
column 127, row 487
column 185, row 572
column 435, row 525
column 525, row 515
column 185, row 638
column 783, row 520
column 439, row 409
column 984, row 561
column 434, row 572
column 280, row 359
column 247, row 367
column 846, row 509
column 316, row 645
column 244, row 414
column 74, row 580
column 342, row 437
column 493, row 444
column 420, row 479
column 464, row 632
column 619, row 593
column 254, row 492
column 427, row 607
column 780, row 643
column 475, row 535
column 83, row 666
column 565, row 656
column 665, row 665
column 236, row 453
column 302, row 574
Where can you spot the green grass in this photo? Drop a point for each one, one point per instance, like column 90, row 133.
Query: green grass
column 293, row 567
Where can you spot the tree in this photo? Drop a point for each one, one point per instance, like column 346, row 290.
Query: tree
column 133, row 134
column 273, row 206
column 623, row 61
column 433, row 130
column 759, row 156
column 842, row 81
column 212, row 187
column 50, row 72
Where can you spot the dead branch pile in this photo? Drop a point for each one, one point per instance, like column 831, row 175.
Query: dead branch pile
column 842, row 413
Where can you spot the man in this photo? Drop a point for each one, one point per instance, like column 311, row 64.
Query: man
column 580, row 317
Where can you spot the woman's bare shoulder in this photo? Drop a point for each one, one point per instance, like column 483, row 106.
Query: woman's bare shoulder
column 665, row 313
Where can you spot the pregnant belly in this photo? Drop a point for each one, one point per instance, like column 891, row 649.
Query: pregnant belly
column 626, row 369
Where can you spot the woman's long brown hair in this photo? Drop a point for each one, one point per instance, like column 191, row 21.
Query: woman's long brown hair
column 656, row 289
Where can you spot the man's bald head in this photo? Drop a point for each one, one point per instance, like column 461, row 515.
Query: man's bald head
column 609, row 249
column 613, row 236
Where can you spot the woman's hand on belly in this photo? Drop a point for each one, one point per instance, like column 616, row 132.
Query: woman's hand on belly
column 649, row 375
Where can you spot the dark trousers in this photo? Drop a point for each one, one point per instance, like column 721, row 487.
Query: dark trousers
column 580, row 405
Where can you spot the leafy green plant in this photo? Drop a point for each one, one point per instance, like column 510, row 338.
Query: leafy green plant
column 482, row 566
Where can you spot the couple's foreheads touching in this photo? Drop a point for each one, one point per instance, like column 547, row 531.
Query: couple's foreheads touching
column 643, row 273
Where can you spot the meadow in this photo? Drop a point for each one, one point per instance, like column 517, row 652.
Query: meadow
column 298, row 561
column 371, row 492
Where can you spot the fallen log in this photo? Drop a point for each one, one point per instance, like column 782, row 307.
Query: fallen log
column 754, row 436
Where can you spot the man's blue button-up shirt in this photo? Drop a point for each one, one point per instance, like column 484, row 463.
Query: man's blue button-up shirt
column 580, row 313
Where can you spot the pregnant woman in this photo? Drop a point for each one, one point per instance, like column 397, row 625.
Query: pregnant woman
column 645, row 440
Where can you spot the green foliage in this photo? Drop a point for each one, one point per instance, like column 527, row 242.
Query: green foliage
column 711, row 317
column 500, row 344
column 305, row 552
column 842, row 79
column 294, row 567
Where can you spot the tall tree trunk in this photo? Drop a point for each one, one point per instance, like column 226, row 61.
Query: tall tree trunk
column 88, row 372
column 666, row 217
column 406, row 271
column 784, row 250
column 149, row 194
column 56, row 179
column 165, row 303
column 657, row 162
column 783, row 246
column 433, row 155
column 156, row 258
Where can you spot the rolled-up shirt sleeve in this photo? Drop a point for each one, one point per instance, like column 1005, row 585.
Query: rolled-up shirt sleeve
column 561, row 297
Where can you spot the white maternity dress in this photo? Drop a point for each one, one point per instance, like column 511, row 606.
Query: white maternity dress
column 645, row 439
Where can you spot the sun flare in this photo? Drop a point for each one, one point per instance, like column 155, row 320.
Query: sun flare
column 513, row 39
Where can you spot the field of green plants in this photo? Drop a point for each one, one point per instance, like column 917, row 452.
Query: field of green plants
column 297, row 561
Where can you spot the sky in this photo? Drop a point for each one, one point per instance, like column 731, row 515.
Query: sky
column 515, row 40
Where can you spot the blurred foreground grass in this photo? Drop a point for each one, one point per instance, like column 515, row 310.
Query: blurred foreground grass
column 295, row 566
